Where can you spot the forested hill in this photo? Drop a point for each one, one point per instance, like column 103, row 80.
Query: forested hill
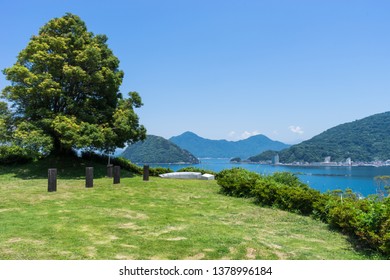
column 156, row 149
column 202, row 147
column 367, row 140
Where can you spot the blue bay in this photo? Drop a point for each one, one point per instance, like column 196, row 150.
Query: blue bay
column 358, row 178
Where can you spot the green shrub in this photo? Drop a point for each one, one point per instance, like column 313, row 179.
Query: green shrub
column 237, row 181
column 320, row 209
column 373, row 222
column 120, row 161
column 127, row 165
column 342, row 215
column 296, row 198
column 14, row 154
column 288, row 179
column 196, row 169
column 156, row 171
column 266, row 191
column 124, row 163
column 366, row 220
column 299, row 199
column 282, row 190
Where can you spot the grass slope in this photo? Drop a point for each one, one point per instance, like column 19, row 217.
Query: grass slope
column 159, row 219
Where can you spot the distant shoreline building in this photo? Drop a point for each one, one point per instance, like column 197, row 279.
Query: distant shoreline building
column 275, row 159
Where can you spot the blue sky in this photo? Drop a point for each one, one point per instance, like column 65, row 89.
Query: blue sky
column 230, row 69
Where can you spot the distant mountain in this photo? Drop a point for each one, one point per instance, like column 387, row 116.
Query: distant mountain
column 202, row 147
column 367, row 140
column 156, row 149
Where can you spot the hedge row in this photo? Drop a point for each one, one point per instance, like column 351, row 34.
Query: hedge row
column 14, row 154
column 196, row 169
column 366, row 220
column 124, row 164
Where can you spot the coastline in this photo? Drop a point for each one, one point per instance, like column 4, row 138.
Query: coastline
column 322, row 164
column 334, row 164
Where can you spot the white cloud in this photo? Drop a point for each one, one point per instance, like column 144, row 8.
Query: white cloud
column 296, row 129
column 234, row 136
column 247, row 134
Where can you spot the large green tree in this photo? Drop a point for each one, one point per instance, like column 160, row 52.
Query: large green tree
column 65, row 85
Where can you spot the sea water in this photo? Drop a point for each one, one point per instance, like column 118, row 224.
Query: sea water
column 361, row 179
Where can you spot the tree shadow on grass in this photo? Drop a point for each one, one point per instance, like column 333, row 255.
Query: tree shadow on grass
column 67, row 168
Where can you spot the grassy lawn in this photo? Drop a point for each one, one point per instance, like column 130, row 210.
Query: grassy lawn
column 159, row 219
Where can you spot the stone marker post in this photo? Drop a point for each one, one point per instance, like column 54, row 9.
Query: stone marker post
column 89, row 177
column 117, row 174
column 146, row 172
column 52, row 180
column 110, row 170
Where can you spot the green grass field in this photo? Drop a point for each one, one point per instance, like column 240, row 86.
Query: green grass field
column 158, row 219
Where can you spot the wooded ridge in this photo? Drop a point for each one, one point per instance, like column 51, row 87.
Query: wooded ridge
column 202, row 147
column 156, row 149
column 364, row 140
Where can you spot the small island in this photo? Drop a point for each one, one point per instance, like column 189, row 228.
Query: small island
column 156, row 149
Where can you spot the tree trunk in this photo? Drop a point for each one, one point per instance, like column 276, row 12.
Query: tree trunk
column 60, row 149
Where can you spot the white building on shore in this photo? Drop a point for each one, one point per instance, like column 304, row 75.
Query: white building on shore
column 275, row 159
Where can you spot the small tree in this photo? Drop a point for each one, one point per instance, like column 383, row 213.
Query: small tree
column 383, row 185
column 65, row 88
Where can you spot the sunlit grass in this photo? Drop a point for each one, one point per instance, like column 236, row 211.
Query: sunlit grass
column 158, row 219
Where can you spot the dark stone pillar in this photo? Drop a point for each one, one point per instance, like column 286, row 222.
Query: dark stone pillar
column 146, row 172
column 89, row 177
column 117, row 174
column 52, row 180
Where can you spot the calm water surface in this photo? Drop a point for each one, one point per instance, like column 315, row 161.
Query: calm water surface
column 360, row 178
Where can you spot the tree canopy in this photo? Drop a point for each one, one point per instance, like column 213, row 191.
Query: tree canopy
column 65, row 88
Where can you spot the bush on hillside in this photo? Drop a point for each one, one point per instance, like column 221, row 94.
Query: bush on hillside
column 127, row 165
column 103, row 159
column 14, row 154
column 288, row 179
column 124, row 163
column 196, row 169
column 366, row 220
column 237, row 181
column 156, row 171
column 295, row 197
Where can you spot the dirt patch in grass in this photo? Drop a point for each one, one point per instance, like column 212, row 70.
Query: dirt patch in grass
column 128, row 246
column 123, row 213
column 209, row 250
column 167, row 230
column 91, row 252
column 10, row 209
column 130, row 225
column 124, row 257
column 198, row 256
column 176, row 239
column 106, row 240
column 26, row 241
column 251, row 253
